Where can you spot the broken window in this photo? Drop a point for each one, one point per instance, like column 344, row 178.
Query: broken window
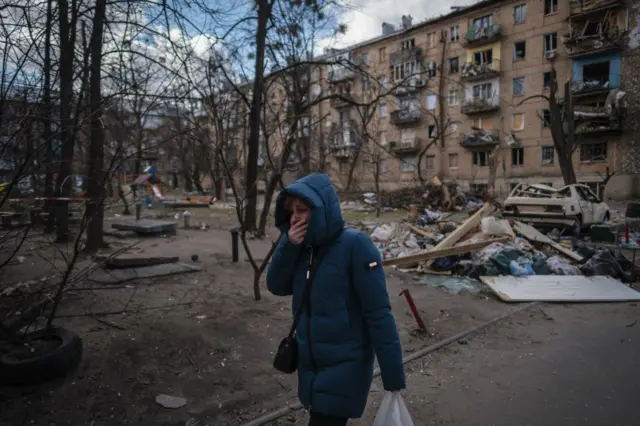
column 546, row 118
column 548, row 152
column 518, row 86
column 550, row 42
column 480, row 158
column 453, row 97
column 596, row 75
column 592, row 28
column 409, row 44
column 547, row 80
column 479, row 188
column 408, row 164
column 431, row 39
column 519, row 50
column 454, row 65
column 483, row 22
column 431, row 131
column 482, row 91
column 483, row 57
column 591, row 152
column 519, row 14
column 454, row 33
column 517, row 156
column 550, row 6
column 432, row 100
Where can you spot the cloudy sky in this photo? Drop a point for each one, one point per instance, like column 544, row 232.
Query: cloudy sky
column 364, row 18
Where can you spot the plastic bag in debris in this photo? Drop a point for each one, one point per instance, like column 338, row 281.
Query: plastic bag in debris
column 608, row 262
column 540, row 266
column 370, row 198
column 393, row 411
column 561, row 266
column 521, row 268
column 482, row 256
column 412, row 242
column 492, row 226
column 382, row 234
column 473, row 205
column 428, row 217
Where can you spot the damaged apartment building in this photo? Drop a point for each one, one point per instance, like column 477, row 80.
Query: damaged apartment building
column 465, row 96
column 479, row 75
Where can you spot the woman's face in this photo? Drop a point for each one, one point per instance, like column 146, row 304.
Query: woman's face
column 299, row 212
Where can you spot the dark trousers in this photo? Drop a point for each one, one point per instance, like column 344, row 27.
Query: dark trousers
column 318, row 419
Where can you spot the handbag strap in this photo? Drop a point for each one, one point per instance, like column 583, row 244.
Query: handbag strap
column 315, row 257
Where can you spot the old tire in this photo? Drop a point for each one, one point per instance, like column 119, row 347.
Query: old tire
column 54, row 364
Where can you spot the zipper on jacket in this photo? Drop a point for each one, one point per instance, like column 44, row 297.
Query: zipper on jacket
column 311, row 357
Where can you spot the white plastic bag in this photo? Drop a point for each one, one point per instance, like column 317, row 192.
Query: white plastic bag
column 392, row 411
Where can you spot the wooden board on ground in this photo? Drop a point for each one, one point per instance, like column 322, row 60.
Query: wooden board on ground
column 435, row 254
column 533, row 235
column 466, row 226
column 118, row 276
column 124, row 262
column 421, row 232
column 560, row 288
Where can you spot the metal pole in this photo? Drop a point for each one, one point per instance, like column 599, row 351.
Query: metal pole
column 234, row 245
column 414, row 310
column 138, row 210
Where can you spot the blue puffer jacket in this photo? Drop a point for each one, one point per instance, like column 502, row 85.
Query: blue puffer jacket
column 350, row 315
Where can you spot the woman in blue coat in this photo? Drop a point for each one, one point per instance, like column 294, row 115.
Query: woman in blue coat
column 347, row 319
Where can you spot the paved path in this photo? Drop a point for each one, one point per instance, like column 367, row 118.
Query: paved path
column 581, row 367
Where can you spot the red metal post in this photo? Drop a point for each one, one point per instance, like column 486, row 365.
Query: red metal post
column 414, row 310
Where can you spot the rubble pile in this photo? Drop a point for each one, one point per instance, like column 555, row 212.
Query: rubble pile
column 484, row 244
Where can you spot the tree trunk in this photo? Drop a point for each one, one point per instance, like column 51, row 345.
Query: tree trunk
column 268, row 197
column 250, row 213
column 67, row 132
column 47, row 134
column 96, row 184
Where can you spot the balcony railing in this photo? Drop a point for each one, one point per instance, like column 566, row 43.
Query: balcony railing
column 596, row 121
column 343, row 99
column 480, row 139
column 591, row 86
column 406, row 146
column 579, row 46
column 339, row 73
column 472, row 71
column 583, row 8
column 413, row 54
column 477, row 36
column 405, row 116
column 480, row 104
column 410, row 86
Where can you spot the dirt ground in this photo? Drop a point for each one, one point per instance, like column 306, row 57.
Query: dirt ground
column 201, row 336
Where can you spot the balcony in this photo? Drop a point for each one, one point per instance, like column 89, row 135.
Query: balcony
column 344, row 98
column 594, row 121
column 340, row 73
column 580, row 9
column 408, row 55
column 476, row 72
column 481, row 139
column 477, row 36
column 405, row 117
column 602, row 44
column 411, row 86
column 595, row 86
column 480, row 104
column 406, row 146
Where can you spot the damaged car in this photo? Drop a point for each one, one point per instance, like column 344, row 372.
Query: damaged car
column 573, row 206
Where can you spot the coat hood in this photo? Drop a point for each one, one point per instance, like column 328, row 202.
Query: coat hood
column 325, row 219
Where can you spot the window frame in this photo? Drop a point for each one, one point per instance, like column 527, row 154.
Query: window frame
column 548, row 6
column 545, row 149
column 522, row 7
column 517, row 156
column 476, row 157
column 513, row 121
column 513, row 86
column 451, row 156
column 551, row 36
column 524, row 56
column 456, row 60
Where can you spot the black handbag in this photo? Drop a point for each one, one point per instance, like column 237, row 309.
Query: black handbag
column 286, row 359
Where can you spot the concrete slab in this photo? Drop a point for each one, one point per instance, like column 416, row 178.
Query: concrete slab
column 118, row 276
column 146, row 226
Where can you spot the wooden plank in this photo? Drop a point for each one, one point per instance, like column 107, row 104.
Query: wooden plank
column 133, row 262
column 421, row 231
column 560, row 288
column 533, row 235
column 463, row 229
column 450, row 251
